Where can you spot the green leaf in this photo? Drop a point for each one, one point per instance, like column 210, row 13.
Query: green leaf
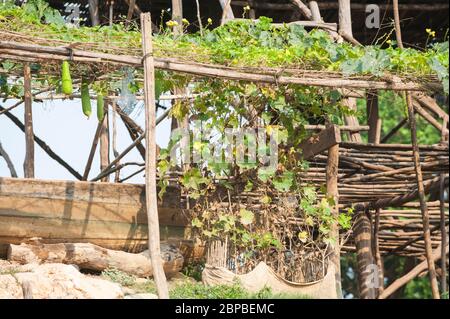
column 265, row 173
column 303, row 236
column 284, row 182
column 246, row 217
column 197, row 223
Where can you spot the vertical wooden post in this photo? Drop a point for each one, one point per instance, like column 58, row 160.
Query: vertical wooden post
column 345, row 27
column 444, row 260
column 332, row 192
column 131, row 5
column 252, row 13
column 362, row 231
column 93, row 11
column 398, row 30
column 374, row 122
column 104, row 144
column 151, row 198
column 227, row 13
column 114, row 137
column 345, row 17
column 111, row 12
column 28, row 165
column 315, row 11
column 422, row 199
column 373, row 118
column 177, row 15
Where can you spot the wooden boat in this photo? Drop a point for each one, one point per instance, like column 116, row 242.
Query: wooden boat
column 107, row 214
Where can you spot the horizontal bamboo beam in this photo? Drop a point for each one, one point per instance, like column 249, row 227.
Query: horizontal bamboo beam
column 27, row 52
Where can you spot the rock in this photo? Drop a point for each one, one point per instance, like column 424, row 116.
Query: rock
column 141, row 281
column 142, row 296
column 56, row 281
column 128, row 291
column 9, row 289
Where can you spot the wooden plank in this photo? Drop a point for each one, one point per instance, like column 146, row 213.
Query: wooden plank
column 318, row 143
column 109, row 215
column 86, row 201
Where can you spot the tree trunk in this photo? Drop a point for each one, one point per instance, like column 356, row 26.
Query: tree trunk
column 363, row 242
column 92, row 257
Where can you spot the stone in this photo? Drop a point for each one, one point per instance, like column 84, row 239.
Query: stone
column 55, row 281
column 142, row 296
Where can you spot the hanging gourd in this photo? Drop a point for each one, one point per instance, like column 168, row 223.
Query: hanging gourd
column 85, row 98
column 66, row 80
column 100, row 106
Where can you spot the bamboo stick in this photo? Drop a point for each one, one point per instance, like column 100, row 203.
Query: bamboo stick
column 423, row 203
column 28, row 165
column 9, row 163
column 32, row 53
column 333, row 192
column 411, row 275
column 150, row 167
column 88, row 166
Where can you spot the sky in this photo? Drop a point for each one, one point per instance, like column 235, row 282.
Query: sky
column 63, row 126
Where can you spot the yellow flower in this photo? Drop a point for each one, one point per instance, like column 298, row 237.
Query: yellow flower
column 185, row 21
column 430, row 32
column 171, row 23
column 389, row 42
column 209, row 20
column 246, row 8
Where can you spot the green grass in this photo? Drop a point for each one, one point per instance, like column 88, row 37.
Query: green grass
column 196, row 290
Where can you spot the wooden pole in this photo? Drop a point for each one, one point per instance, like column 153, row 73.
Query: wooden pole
column 374, row 122
column 422, row 199
column 87, row 169
column 315, row 11
column 94, row 13
column 332, row 192
column 177, row 15
column 8, row 161
column 111, row 12
column 373, row 118
column 345, row 28
column 28, row 165
column 104, row 144
column 376, row 252
column 302, row 8
column 362, row 231
column 114, row 137
column 443, row 220
column 227, row 13
column 131, row 5
column 398, row 31
column 151, row 197
column 412, row 274
column 394, row 130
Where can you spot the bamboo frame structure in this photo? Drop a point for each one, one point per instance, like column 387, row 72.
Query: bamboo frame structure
column 381, row 181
